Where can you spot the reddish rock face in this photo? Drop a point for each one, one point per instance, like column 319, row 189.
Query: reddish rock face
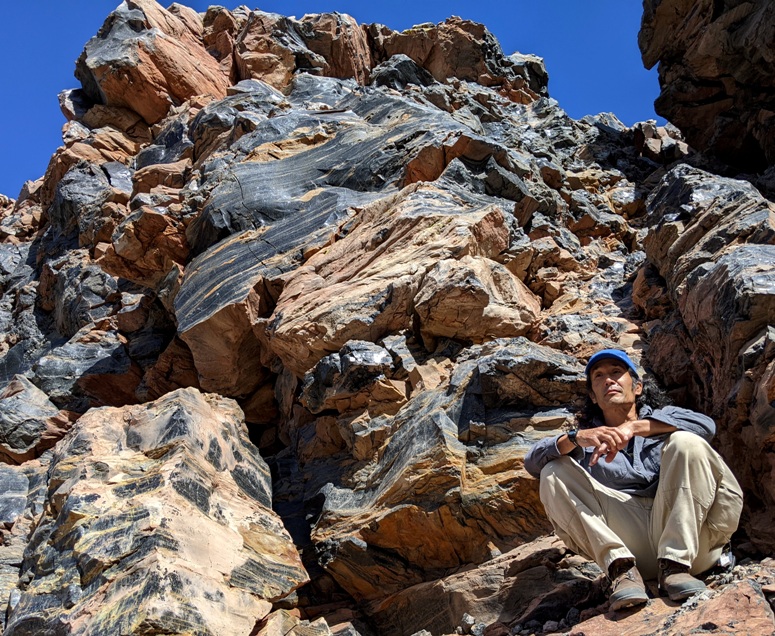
column 740, row 608
column 342, row 296
column 147, row 59
column 715, row 72
column 342, row 43
column 466, row 50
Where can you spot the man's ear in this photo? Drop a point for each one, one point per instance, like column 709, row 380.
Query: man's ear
column 594, row 399
column 638, row 388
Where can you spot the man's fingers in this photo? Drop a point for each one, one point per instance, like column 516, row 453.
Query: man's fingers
column 607, row 440
column 615, row 440
column 599, row 451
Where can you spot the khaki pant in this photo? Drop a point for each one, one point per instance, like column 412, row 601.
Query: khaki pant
column 694, row 513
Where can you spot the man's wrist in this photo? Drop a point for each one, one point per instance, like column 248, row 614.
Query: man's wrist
column 572, row 436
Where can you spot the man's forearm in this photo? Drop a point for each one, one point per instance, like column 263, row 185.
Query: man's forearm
column 614, row 438
column 649, row 426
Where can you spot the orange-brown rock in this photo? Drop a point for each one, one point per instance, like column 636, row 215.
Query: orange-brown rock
column 738, row 608
column 147, row 59
column 20, row 219
column 220, row 30
column 174, row 369
column 285, row 623
column 114, row 117
column 465, row 50
column 146, row 246
column 407, row 234
column 171, row 175
column 261, row 55
column 534, row 580
column 341, row 42
column 6, row 205
column 473, row 299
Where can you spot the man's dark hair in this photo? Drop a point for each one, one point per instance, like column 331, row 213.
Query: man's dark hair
column 651, row 394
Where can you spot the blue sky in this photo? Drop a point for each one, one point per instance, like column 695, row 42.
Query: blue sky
column 590, row 50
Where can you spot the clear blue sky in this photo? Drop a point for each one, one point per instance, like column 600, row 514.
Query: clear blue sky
column 590, row 50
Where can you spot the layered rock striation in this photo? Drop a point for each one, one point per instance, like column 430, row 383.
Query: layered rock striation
column 294, row 298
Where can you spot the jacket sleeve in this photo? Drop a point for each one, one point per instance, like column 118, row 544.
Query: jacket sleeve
column 541, row 453
column 686, row 420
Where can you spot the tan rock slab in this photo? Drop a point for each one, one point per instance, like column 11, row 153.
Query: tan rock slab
column 164, row 512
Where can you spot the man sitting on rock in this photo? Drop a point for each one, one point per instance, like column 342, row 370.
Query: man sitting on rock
column 637, row 488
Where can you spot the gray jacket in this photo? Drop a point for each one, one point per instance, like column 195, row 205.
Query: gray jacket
column 634, row 470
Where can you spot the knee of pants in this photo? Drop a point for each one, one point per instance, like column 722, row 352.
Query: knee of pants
column 684, row 443
column 556, row 472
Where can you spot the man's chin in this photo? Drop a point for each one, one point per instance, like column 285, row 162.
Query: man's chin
column 616, row 400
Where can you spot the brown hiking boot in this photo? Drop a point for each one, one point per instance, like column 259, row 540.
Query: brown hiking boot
column 627, row 588
column 676, row 582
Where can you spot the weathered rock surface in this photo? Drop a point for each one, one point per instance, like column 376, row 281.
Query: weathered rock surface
column 742, row 607
column 147, row 59
column 440, row 483
column 715, row 73
column 531, row 583
column 158, row 518
column 385, row 257
column 29, row 422
column 713, row 246
column 22, row 502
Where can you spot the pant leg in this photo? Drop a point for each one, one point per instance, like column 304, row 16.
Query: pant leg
column 698, row 503
column 597, row 522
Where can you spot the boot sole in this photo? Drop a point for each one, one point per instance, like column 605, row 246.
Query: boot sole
column 684, row 594
column 630, row 601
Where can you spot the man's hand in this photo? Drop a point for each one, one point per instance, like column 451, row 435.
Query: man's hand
column 607, row 440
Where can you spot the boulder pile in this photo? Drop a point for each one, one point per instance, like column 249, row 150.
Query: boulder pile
column 295, row 296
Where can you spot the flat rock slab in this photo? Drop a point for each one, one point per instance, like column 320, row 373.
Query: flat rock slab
column 525, row 584
column 740, row 608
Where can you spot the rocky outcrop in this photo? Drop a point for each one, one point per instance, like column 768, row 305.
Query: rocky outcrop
column 526, row 585
column 715, row 73
column 29, row 423
column 147, row 59
column 738, row 606
column 157, row 518
column 280, row 322
column 711, row 254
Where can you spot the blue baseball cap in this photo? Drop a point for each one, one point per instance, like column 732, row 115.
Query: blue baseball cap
column 605, row 354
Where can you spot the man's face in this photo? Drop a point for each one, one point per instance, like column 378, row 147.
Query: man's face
column 612, row 384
